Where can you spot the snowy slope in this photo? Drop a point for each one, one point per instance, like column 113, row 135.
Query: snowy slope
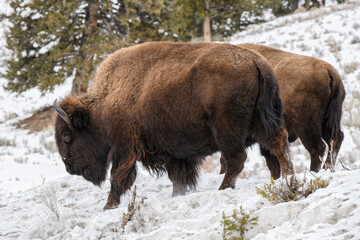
column 33, row 179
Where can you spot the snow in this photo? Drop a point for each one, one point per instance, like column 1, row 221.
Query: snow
column 33, row 179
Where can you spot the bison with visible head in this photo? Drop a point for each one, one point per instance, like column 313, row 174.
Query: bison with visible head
column 312, row 94
column 169, row 105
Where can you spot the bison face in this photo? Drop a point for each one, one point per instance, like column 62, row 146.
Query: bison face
column 79, row 146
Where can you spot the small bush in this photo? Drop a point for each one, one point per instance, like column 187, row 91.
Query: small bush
column 351, row 110
column 49, row 199
column 49, row 145
column 319, row 52
column 351, row 67
column 38, row 150
column 21, row 160
column 355, row 40
column 8, row 116
column 7, row 143
column 356, row 26
column 293, row 190
column 334, row 46
column 304, row 47
column 315, row 35
column 237, row 224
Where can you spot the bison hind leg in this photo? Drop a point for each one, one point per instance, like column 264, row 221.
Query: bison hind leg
column 272, row 163
column 334, row 147
column 312, row 140
column 278, row 152
column 234, row 164
column 183, row 173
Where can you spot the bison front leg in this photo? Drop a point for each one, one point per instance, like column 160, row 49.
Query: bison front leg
column 114, row 197
column 121, row 181
column 115, row 191
column 234, row 164
column 123, row 175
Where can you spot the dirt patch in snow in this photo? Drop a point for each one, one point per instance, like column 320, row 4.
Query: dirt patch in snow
column 41, row 120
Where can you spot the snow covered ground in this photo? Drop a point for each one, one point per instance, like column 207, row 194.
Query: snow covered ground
column 39, row 200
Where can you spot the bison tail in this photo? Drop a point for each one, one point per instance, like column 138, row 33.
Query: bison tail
column 269, row 102
column 332, row 118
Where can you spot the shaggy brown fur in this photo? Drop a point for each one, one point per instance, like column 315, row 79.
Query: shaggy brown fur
column 312, row 93
column 169, row 105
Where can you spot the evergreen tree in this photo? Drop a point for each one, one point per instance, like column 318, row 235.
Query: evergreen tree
column 232, row 16
column 52, row 40
column 225, row 16
column 280, row 7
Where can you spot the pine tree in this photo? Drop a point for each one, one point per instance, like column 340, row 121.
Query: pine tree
column 52, row 40
column 193, row 18
column 235, row 15
column 294, row 5
column 149, row 20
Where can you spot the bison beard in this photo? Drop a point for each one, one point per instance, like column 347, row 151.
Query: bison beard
column 169, row 105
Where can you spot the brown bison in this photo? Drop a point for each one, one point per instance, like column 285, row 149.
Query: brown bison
column 312, row 94
column 169, row 105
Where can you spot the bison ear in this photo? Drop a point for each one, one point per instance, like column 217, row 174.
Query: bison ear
column 80, row 118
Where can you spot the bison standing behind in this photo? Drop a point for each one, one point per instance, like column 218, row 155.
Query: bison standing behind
column 312, row 93
column 169, row 105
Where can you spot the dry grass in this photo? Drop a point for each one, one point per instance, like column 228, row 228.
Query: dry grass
column 303, row 47
column 334, row 46
column 22, row 160
column 50, row 201
column 355, row 40
column 351, row 110
column 8, row 116
column 319, row 52
column 4, row 142
column 356, row 26
column 42, row 119
column 351, row 67
column 49, row 145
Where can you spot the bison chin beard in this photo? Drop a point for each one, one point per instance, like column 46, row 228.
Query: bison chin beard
column 96, row 176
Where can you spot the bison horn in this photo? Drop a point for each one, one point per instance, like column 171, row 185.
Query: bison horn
column 61, row 113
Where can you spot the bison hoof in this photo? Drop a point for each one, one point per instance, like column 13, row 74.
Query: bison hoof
column 110, row 205
column 275, row 174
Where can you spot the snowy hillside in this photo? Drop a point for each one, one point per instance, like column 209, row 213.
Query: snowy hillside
column 39, row 200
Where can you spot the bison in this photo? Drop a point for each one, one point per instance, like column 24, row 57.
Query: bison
column 169, row 105
column 312, row 94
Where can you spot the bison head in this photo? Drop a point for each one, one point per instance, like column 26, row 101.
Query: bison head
column 79, row 145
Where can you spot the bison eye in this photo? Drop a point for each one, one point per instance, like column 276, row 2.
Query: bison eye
column 66, row 138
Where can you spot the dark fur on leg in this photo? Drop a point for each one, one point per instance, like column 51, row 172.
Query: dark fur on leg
column 272, row 163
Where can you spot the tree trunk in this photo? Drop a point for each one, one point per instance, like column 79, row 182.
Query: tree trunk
column 82, row 76
column 206, row 27
column 323, row 3
column 307, row 4
column 294, row 5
